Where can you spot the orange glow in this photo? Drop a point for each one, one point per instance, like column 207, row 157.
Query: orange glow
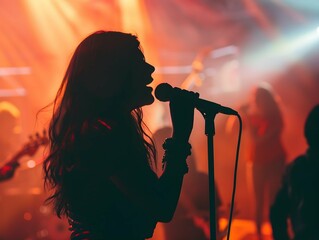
column 134, row 17
column 48, row 17
column 37, row 39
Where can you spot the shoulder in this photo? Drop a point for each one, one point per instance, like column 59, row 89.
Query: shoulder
column 297, row 163
column 99, row 138
column 105, row 144
column 297, row 169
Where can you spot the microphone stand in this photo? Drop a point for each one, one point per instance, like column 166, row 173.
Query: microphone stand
column 209, row 116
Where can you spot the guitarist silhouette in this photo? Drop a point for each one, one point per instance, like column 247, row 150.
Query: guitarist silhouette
column 29, row 149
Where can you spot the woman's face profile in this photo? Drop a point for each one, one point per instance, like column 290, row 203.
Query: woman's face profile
column 117, row 72
column 141, row 77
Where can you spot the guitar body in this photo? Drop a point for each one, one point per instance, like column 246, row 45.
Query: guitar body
column 28, row 149
column 22, row 197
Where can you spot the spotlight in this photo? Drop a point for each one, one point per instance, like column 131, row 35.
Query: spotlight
column 31, row 163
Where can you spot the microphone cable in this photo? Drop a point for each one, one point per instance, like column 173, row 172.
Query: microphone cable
column 235, row 176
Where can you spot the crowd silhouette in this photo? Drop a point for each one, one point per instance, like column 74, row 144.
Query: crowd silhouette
column 296, row 205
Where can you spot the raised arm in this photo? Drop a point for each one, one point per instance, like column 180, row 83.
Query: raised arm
column 159, row 197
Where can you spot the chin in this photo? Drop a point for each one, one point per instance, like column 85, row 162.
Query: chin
column 147, row 101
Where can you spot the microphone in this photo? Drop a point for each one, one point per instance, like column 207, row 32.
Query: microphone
column 165, row 92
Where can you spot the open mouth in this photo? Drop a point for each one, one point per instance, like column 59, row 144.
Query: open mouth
column 149, row 89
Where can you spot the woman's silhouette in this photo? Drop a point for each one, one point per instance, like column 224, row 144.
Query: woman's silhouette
column 264, row 122
column 101, row 158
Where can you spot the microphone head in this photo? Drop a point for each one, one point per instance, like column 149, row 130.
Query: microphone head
column 163, row 92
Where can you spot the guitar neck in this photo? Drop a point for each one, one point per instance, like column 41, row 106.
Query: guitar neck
column 29, row 148
column 15, row 158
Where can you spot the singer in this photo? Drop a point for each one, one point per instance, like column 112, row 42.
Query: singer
column 101, row 159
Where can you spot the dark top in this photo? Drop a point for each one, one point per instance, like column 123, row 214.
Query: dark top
column 98, row 210
column 266, row 144
column 298, row 200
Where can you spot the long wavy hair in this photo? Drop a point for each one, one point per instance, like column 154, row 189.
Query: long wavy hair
column 93, row 86
column 268, row 102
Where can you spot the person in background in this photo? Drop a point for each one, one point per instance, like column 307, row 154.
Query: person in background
column 10, row 130
column 263, row 121
column 7, row 171
column 297, row 201
column 101, row 161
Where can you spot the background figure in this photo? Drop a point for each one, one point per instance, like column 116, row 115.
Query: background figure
column 297, row 201
column 9, row 128
column 101, row 159
column 9, row 138
column 7, row 171
column 264, row 124
column 191, row 219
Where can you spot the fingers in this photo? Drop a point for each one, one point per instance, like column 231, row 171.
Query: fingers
column 182, row 113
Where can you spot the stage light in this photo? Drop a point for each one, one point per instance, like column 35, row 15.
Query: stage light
column 284, row 51
column 31, row 163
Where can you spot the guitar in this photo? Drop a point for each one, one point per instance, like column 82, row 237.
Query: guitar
column 28, row 149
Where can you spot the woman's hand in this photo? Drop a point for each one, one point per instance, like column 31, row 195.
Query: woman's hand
column 182, row 114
